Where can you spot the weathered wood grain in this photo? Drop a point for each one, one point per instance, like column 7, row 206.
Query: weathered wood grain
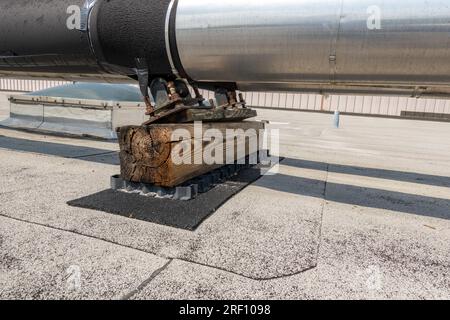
column 146, row 152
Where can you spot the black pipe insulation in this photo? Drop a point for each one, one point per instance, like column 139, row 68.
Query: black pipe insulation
column 118, row 33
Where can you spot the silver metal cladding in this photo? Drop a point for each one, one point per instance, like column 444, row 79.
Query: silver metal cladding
column 336, row 46
column 317, row 45
column 167, row 35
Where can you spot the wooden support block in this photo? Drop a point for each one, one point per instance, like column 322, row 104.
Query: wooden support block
column 148, row 153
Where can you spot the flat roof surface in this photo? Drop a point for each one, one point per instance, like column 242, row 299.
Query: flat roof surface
column 357, row 212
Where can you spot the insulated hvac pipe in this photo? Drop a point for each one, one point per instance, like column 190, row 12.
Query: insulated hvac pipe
column 341, row 46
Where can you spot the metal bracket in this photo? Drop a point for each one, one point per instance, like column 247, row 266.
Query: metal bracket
column 85, row 11
column 143, row 74
column 229, row 99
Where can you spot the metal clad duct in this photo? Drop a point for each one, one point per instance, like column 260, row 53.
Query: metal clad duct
column 326, row 45
column 338, row 46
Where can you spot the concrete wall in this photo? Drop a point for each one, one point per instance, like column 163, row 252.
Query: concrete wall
column 371, row 105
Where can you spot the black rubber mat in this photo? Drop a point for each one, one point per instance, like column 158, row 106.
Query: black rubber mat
column 174, row 213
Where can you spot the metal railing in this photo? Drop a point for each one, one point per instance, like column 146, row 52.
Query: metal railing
column 20, row 85
column 370, row 105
